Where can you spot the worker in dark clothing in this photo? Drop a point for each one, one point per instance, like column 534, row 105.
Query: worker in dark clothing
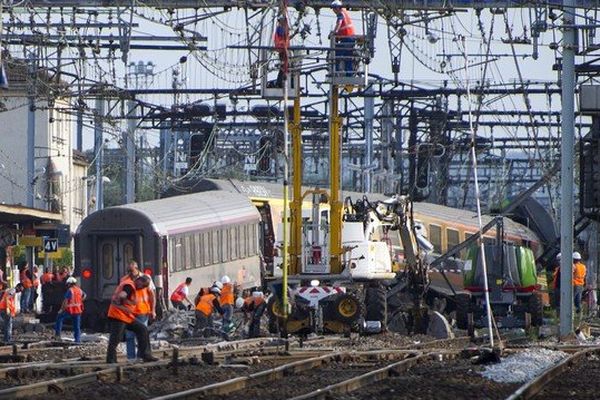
column 207, row 305
column 556, row 283
column 254, row 308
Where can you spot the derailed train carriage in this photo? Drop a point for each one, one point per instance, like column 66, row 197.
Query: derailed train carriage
column 203, row 236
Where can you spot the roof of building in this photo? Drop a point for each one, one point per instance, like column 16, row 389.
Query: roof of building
column 16, row 213
column 196, row 211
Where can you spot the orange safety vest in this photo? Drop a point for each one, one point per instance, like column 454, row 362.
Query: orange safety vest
column 347, row 27
column 7, row 304
column 142, row 305
column 75, row 303
column 178, row 294
column 129, row 304
column 47, row 277
column 205, row 305
column 25, row 280
column 281, row 42
column 579, row 274
column 227, row 294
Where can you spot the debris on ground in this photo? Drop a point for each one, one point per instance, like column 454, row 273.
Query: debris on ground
column 174, row 324
column 523, row 366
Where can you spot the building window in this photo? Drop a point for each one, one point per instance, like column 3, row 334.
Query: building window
column 435, row 237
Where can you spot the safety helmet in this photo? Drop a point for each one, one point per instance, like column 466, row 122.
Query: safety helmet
column 71, row 281
column 558, row 256
column 336, row 3
column 218, row 284
column 215, row 290
column 225, row 279
column 576, row 256
column 239, row 302
column 257, row 294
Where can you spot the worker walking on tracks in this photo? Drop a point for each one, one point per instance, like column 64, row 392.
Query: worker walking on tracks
column 121, row 317
column 145, row 308
column 579, row 272
column 8, row 310
column 181, row 293
column 227, row 300
column 254, row 308
column 72, row 307
column 207, row 305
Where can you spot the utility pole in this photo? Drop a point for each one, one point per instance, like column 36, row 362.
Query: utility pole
column 31, row 132
column 79, row 139
column 368, row 159
column 130, row 155
column 566, row 168
column 99, row 151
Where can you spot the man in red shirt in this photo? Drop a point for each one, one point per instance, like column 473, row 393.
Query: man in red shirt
column 344, row 33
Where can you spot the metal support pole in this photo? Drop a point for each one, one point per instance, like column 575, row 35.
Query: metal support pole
column 79, row 138
column 335, row 217
column 31, row 134
column 368, row 160
column 99, row 151
column 130, row 155
column 296, row 247
column 566, row 169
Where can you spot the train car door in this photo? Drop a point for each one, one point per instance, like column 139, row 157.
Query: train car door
column 114, row 254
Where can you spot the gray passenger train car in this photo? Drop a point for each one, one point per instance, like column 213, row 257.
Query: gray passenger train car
column 202, row 235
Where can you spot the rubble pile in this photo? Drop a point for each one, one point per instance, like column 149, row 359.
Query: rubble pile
column 523, row 366
column 174, row 324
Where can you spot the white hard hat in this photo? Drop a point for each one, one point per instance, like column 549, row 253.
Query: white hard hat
column 225, row 279
column 257, row 294
column 576, row 256
column 215, row 290
column 218, row 284
column 71, row 280
column 336, row 3
column 239, row 302
column 558, row 256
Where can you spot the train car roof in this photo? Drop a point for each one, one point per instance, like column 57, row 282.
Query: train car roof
column 258, row 189
column 196, row 211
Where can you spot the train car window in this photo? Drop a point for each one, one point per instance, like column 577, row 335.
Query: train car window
column 233, row 243
column 216, row 256
column 224, row 245
column 127, row 252
column 243, row 230
column 108, row 267
column 189, row 252
column 435, row 237
column 452, row 238
column 178, row 251
column 206, row 248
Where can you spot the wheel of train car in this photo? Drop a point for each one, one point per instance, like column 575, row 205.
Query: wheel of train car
column 376, row 305
column 535, row 307
column 346, row 308
column 463, row 305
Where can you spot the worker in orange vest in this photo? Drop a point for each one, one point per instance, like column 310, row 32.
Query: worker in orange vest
column 344, row 33
column 47, row 276
column 72, row 307
column 145, row 308
column 121, row 317
column 205, row 308
column 281, row 40
column 25, row 279
column 8, row 310
column 181, row 293
column 579, row 272
column 253, row 309
column 227, row 300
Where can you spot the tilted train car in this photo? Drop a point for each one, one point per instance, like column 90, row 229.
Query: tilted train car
column 203, row 236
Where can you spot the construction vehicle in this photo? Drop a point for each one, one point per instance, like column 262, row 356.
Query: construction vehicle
column 340, row 256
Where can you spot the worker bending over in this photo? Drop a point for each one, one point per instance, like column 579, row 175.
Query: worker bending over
column 253, row 309
column 8, row 310
column 145, row 308
column 121, row 317
column 180, row 294
column 207, row 304
column 72, row 307
column 579, row 272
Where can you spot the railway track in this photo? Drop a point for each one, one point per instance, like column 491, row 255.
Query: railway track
column 575, row 376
